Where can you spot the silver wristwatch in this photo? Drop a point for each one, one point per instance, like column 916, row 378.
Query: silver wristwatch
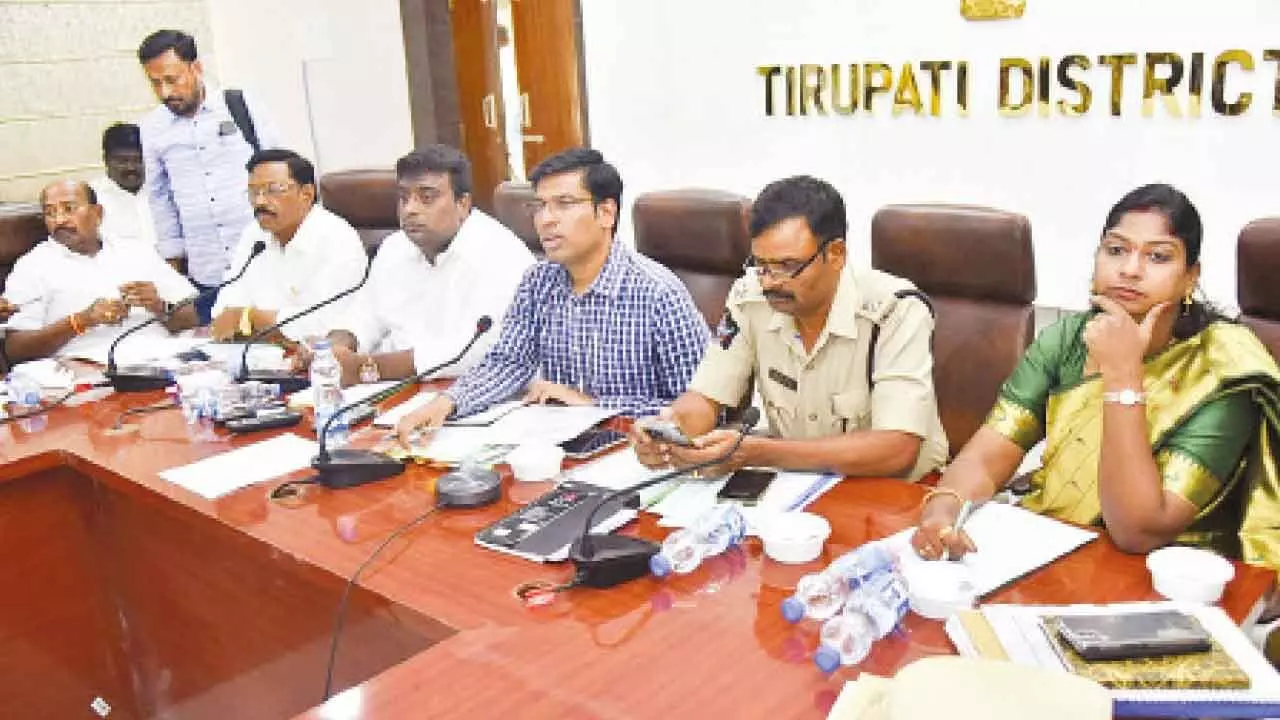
column 1127, row 396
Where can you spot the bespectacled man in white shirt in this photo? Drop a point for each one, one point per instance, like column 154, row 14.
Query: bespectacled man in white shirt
column 449, row 264
column 75, row 290
column 311, row 255
column 126, row 210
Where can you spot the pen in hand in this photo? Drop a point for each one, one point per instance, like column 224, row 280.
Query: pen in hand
column 966, row 511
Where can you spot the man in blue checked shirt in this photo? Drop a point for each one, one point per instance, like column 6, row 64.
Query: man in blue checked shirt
column 195, row 155
column 594, row 324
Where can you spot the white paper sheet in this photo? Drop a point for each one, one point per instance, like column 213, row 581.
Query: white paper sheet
column 549, row 424
column 1011, row 543
column 392, row 416
column 216, row 476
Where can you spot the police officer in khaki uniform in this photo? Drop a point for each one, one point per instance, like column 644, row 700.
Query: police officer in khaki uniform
column 840, row 355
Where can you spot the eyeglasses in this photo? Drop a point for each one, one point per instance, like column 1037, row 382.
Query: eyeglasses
column 557, row 204
column 783, row 269
column 53, row 210
column 275, row 189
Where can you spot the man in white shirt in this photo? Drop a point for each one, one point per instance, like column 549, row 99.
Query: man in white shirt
column 126, row 212
column 311, row 255
column 449, row 265
column 76, row 291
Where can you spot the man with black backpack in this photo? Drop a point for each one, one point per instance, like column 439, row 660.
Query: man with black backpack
column 195, row 146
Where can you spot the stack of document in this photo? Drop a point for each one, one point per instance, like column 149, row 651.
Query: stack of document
column 680, row 502
column 1016, row 633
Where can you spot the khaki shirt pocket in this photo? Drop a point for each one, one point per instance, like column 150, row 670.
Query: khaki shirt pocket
column 851, row 411
column 780, row 409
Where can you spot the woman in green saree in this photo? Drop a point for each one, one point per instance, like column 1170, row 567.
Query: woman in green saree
column 1161, row 419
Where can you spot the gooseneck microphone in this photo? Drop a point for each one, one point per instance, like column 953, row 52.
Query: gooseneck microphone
column 346, row 467
column 606, row 560
column 142, row 378
column 288, row 381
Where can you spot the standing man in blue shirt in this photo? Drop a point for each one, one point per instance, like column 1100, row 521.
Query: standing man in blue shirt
column 195, row 154
column 595, row 324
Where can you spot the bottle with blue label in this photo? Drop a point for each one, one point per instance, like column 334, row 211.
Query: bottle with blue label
column 715, row 531
column 820, row 595
column 873, row 610
column 326, row 393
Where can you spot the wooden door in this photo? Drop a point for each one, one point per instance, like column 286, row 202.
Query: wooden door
column 474, row 27
column 548, row 39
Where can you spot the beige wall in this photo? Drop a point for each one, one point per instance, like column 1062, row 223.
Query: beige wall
column 68, row 69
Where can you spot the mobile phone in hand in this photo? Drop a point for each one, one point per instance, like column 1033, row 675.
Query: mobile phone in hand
column 665, row 431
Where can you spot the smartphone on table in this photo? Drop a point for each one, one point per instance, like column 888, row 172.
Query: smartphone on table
column 747, row 485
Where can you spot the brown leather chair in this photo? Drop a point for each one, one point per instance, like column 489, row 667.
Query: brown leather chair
column 1258, row 293
column 977, row 266
column 701, row 235
column 510, row 207
column 21, row 227
column 364, row 198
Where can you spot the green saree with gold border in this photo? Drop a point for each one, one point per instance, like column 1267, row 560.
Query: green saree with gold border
column 1213, row 413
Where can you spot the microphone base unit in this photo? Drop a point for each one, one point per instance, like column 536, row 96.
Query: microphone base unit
column 612, row 559
column 288, row 382
column 348, row 468
column 468, row 488
column 139, row 379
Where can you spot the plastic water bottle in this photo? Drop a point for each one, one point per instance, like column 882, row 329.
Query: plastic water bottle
column 821, row 595
column 24, row 394
column 712, row 533
column 326, row 393
column 873, row 610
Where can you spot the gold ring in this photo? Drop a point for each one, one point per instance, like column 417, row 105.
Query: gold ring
column 696, row 474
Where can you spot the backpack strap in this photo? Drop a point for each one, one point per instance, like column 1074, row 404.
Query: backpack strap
column 240, row 114
column 875, row 328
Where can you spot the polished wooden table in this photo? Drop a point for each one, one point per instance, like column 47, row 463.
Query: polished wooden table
column 124, row 587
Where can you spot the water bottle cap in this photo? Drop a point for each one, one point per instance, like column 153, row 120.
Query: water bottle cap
column 659, row 565
column 827, row 659
column 792, row 610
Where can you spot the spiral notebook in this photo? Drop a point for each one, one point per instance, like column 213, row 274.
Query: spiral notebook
column 1017, row 633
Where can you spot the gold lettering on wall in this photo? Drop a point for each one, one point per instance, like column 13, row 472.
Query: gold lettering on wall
column 1170, row 79
column 1009, row 108
column 1080, row 87
column 1153, row 84
column 907, row 96
column 1274, row 56
column 1220, row 65
column 1117, row 63
column 876, row 78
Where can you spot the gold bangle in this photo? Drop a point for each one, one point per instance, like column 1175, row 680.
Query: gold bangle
column 75, row 324
column 942, row 491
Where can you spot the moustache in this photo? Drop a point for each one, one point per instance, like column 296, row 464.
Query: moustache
column 259, row 212
column 778, row 295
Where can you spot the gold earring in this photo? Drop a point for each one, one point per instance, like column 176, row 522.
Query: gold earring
column 1186, row 303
